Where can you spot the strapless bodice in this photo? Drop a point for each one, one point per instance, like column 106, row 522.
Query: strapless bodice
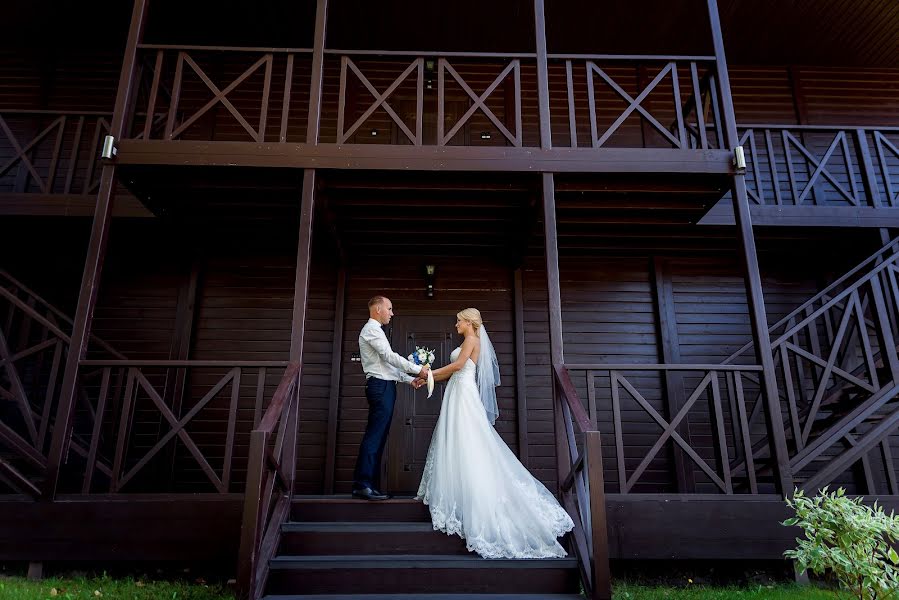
column 469, row 367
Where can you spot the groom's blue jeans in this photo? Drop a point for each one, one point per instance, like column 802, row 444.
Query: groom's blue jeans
column 381, row 396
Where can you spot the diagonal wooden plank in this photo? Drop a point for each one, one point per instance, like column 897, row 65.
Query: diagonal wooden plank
column 380, row 99
column 820, row 167
column 478, row 102
column 178, row 428
column 21, row 153
column 18, row 390
column 634, row 104
column 221, row 96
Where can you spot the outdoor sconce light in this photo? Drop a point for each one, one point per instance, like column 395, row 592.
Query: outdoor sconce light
column 429, row 280
column 485, row 135
column 109, row 150
column 374, row 133
column 739, row 158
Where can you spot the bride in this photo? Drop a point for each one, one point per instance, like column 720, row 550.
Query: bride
column 473, row 484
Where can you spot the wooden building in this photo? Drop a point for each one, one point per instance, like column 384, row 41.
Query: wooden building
column 674, row 217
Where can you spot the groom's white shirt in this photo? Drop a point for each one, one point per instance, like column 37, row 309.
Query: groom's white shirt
column 378, row 358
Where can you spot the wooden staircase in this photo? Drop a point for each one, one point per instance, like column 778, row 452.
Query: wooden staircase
column 338, row 548
column 837, row 367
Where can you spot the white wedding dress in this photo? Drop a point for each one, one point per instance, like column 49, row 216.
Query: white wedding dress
column 474, row 486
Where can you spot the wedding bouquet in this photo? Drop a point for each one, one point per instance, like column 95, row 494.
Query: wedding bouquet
column 424, row 356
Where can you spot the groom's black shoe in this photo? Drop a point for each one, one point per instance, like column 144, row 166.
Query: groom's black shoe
column 369, row 494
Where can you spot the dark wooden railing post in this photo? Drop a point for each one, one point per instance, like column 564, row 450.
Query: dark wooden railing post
column 313, row 122
column 602, row 576
column 96, row 252
column 542, row 75
column 554, row 305
column 250, row 526
column 866, row 166
column 755, row 296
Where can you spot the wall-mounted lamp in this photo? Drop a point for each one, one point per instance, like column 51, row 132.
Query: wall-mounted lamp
column 374, row 132
column 429, row 280
column 739, row 158
column 108, row 151
column 485, row 135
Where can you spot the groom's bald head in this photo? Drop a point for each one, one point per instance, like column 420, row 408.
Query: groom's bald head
column 380, row 308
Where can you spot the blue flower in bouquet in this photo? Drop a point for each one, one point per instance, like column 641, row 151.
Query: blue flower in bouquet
column 422, row 356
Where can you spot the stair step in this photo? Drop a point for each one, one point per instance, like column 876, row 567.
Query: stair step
column 347, row 508
column 418, row 574
column 367, row 537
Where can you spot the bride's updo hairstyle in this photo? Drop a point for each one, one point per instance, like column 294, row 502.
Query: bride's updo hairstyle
column 473, row 316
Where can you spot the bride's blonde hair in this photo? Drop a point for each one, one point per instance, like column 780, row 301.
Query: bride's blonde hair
column 473, row 316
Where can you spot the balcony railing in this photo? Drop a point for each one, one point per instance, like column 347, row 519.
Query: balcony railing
column 261, row 95
column 833, row 166
column 50, row 152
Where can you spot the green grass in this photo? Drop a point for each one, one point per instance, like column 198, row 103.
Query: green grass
column 18, row 588
column 104, row 588
column 782, row 592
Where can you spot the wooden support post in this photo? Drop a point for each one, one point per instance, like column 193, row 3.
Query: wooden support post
column 521, row 391
column 93, row 266
column 313, row 123
column 674, row 384
column 176, row 377
column 554, row 304
column 35, row 571
column 757, row 314
column 542, row 76
column 336, row 362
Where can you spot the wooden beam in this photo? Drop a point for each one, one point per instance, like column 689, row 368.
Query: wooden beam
column 521, row 385
column 182, row 341
column 336, row 363
column 68, row 205
column 425, row 158
column 807, row 216
column 96, row 252
column 554, row 308
column 755, row 296
column 542, row 76
column 313, row 123
column 674, row 386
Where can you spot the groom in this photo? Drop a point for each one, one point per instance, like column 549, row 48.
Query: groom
column 383, row 368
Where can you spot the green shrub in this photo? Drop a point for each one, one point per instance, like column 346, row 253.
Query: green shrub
column 849, row 539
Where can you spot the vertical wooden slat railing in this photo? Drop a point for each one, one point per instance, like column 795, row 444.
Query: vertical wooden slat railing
column 839, row 347
column 583, row 493
column 827, row 166
column 270, row 478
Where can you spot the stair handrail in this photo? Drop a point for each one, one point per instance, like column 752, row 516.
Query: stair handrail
column 880, row 255
column 583, row 492
column 261, row 526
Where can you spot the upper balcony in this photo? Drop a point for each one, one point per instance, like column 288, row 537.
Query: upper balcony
column 615, row 91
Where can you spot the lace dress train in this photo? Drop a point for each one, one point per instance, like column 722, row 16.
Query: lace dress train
column 475, row 487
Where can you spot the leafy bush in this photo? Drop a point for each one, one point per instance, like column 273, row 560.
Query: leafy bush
column 849, row 539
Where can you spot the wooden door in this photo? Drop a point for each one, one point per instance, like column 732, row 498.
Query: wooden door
column 415, row 415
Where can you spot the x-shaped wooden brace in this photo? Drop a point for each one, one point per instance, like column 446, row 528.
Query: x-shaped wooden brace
column 853, row 308
column 380, row 100
column 880, row 141
column 219, row 96
column 633, row 104
column 669, row 429
column 22, row 153
column 820, row 167
column 17, row 393
column 178, row 429
column 478, row 102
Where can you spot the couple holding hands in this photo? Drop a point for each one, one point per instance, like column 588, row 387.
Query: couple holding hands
column 473, row 484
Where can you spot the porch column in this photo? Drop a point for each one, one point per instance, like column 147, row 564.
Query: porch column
column 93, row 266
column 755, row 296
column 554, row 304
